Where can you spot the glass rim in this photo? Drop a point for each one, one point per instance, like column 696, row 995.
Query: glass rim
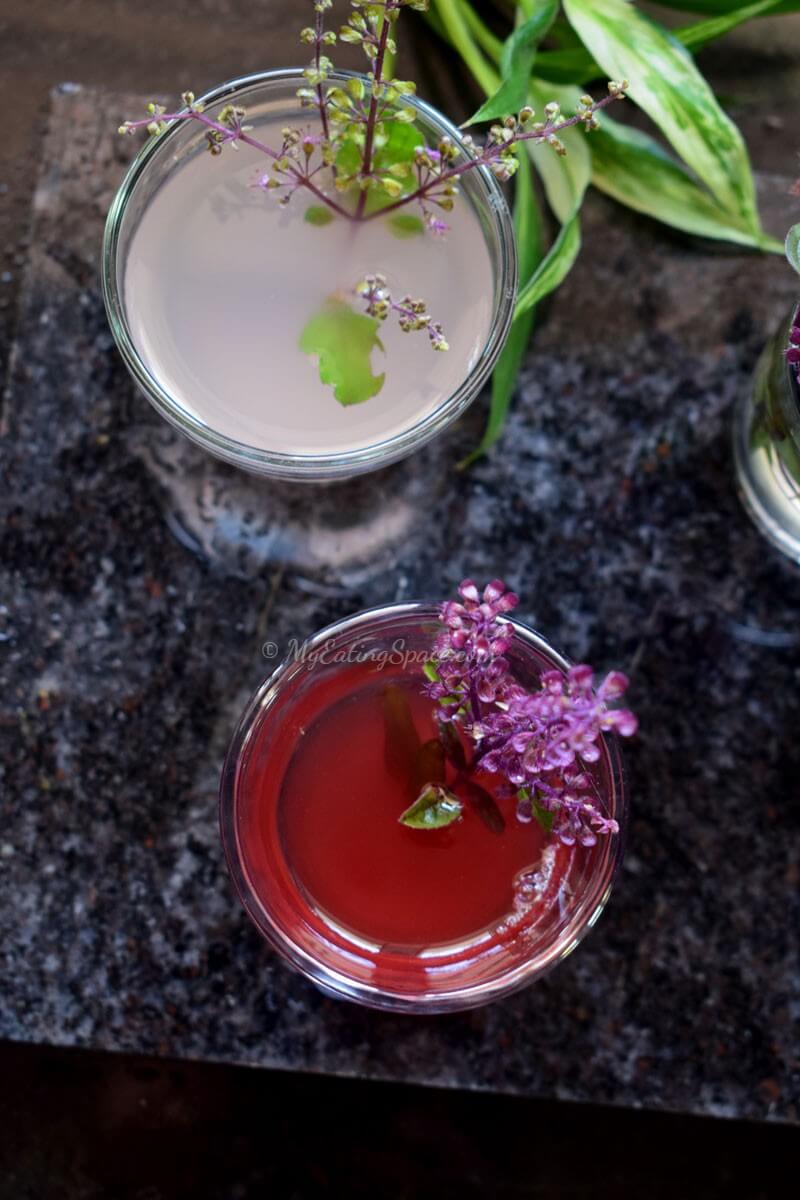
column 340, row 463
column 338, row 983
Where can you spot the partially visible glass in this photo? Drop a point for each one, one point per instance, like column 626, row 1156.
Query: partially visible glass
column 161, row 157
column 551, row 904
column 767, row 444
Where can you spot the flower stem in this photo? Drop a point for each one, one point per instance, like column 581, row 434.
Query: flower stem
column 319, row 21
column 372, row 116
column 301, row 180
column 487, row 156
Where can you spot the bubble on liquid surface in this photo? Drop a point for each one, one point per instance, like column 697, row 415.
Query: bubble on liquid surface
column 529, row 888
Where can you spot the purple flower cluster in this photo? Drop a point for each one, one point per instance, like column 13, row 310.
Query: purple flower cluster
column 540, row 741
column 793, row 349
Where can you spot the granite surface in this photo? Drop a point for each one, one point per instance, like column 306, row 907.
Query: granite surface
column 140, row 583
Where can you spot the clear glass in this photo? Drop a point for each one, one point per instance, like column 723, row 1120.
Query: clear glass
column 767, row 445
column 160, row 158
column 570, row 891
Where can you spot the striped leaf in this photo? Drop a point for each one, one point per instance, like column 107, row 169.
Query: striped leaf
column 665, row 82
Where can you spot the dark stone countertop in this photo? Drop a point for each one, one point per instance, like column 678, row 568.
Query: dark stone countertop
column 139, row 583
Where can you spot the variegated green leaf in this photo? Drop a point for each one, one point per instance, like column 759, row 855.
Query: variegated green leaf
column 516, row 61
column 528, row 227
column 633, row 168
column 665, row 82
column 576, row 65
column 554, row 267
column 699, row 34
column 724, row 6
column 565, row 178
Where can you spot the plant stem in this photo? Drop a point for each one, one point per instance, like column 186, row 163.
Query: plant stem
column 319, row 21
column 300, row 179
column 369, row 138
column 488, row 155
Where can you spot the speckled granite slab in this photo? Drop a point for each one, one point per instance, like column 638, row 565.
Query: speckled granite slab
column 140, row 583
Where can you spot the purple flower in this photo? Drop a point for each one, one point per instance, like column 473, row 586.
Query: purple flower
column 434, row 224
column 468, row 668
column 538, row 741
column 793, row 349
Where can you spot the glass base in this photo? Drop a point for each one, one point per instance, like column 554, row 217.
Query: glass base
column 340, row 533
column 769, row 493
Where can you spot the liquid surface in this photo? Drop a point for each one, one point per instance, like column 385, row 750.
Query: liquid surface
column 220, row 281
column 338, row 820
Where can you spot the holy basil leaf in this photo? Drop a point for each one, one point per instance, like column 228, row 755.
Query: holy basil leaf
column 451, row 744
column 636, row 170
column 404, row 225
column 528, row 228
column 397, row 143
column 344, row 340
column 429, row 765
column 401, row 743
column 516, row 61
column 665, row 82
column 395, row 147
column 434, row 808
column 554, row 267
column 318, row 214
column 793, row 247
column 485, row 805
column 348, row 156
column 543, row 816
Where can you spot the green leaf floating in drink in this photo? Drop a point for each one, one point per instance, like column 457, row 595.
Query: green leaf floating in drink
column 429, row 766
column 392, row 162
column 404, row 225
column 343, row 340
column 318, row 214
column 484, row 805
column 401, row 740
column 434, row 808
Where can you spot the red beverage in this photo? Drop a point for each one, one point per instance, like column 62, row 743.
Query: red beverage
column 413, row 888
column 415, row 919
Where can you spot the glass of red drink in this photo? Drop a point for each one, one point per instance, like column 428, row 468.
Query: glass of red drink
column 410, row 920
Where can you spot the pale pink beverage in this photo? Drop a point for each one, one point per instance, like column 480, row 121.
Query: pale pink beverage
column 220, row 281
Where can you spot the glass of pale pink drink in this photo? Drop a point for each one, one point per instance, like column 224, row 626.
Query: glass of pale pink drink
column 208, row 283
